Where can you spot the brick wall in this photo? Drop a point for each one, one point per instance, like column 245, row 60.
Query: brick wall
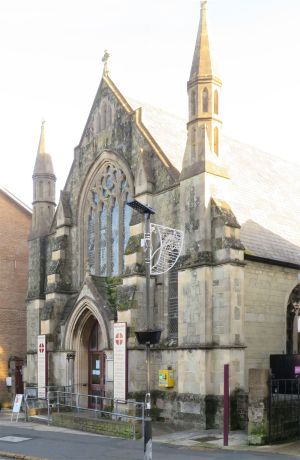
column 14, row 228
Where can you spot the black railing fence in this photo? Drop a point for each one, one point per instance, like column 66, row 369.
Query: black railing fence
column 284, row 409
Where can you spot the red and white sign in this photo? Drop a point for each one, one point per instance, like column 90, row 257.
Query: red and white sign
column 119, row 338
column 120, row 361
column 42, row 369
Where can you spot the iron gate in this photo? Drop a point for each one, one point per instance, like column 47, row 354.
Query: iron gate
column 284, row 409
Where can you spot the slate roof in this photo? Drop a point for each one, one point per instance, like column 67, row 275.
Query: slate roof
column 264, row 189
column 168, row 130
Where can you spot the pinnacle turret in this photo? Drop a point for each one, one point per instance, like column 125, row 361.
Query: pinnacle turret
column 202, row 65
column 43, row 190
column 43, row 162
column 203, row 149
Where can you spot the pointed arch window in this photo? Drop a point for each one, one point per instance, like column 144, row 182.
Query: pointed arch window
column 108, row 221
column 216, row 140
column 216, row 102
column 115, row 239
column 293, row 322
column 193, row 145
column 91, row 240
column 205, row 100
column 193, row 103
column 102, row 240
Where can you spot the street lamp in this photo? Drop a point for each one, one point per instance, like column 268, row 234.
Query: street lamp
column 148, row 336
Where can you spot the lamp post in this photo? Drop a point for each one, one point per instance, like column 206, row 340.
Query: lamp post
column 148, row 336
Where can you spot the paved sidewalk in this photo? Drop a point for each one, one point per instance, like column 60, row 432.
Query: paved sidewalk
column 167, row 433
column 193, row 438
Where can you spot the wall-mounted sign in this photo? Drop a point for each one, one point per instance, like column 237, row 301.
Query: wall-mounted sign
column 42, row 366
column 120, row 361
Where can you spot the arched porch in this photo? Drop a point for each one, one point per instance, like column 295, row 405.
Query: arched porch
column 87, row 338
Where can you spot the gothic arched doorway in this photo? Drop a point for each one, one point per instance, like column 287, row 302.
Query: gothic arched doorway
column 293, row 322
column 87, row 339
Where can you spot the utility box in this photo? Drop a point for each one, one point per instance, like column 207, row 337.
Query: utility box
column 166, row 378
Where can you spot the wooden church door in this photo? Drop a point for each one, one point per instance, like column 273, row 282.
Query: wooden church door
column 96, row 368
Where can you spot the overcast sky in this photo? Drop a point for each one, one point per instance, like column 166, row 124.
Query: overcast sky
column 51, row 67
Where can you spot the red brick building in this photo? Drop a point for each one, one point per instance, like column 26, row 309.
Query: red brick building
column 15, row 221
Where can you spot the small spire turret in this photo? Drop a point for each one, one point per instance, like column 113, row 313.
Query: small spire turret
column 203, row 152
column 43, row 190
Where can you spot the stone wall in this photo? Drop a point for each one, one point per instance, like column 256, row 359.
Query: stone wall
column 99, row 426
column 267, row 289
column 258, row 425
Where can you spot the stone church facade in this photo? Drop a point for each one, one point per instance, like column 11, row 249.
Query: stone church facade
column 234, row 294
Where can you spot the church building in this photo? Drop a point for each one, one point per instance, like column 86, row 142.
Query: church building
column 232, row 298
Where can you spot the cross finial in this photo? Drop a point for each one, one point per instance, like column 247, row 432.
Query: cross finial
column 43, row 121
column 105, row 61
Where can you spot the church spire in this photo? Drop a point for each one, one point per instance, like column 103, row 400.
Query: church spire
column 41, row 148
column 203, row 149
column 43, row 162
column 202, row 65
column 43, row 190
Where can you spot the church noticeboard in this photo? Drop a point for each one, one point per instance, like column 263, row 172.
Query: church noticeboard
column 17, row 406
column 120, row 361
column 17, row 403
column 42, row 369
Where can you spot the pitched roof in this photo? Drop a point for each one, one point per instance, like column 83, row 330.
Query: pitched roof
column 264, row 190
column 15, row 199
column 168, row 130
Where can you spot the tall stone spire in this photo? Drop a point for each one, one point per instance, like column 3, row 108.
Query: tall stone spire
column 203, row 150
column 43, row 190
column 43, row 162
column 202, row 65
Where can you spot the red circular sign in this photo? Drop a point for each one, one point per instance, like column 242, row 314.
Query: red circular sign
column 119, row 338
column 41, row 348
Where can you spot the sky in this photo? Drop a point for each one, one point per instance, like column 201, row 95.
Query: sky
column 51, row 67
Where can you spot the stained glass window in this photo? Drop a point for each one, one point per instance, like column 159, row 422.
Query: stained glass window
column 126, row 223
column 115, row 239
column 102, row 241
column 91, row 241
column 108, row 225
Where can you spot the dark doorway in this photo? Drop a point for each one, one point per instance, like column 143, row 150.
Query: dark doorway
column 96, row 368
column 19, row 385
column 293, row 322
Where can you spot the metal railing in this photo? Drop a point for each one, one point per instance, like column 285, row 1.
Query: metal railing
column 284, row 409
column 95, row 406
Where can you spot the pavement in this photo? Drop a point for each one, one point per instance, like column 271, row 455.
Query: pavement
column 237, row 440
column 163, row 433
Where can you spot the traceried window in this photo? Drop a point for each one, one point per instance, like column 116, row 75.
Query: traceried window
column 107, row 219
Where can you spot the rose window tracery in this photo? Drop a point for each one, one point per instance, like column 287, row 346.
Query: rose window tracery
column 108, row 220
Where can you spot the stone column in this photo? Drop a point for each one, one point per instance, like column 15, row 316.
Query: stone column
column 70, row 371
column 258, row 426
